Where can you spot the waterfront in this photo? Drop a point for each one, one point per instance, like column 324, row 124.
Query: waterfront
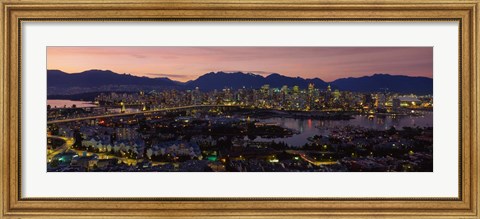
column 306, row 128
column 86, row 104
column 228, row 136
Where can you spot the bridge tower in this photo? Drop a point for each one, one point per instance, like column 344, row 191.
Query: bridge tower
column 122, row 110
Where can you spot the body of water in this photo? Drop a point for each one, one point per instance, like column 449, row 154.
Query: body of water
column 79, row 104
column 310, row 127
column 305, row 127
column 69, row 103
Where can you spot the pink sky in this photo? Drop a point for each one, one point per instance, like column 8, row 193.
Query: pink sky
column 188, row 63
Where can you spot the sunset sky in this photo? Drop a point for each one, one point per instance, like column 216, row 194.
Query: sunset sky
column 188, row 63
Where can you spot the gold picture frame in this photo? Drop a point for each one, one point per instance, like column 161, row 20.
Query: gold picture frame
column 14, row 12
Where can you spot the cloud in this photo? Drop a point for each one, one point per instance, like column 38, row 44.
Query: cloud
column 254, row 72
column 168, row 75
column 138, row 56
column 262, row 72
column 185, row 63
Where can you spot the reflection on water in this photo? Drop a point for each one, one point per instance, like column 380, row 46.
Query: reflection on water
column 69, row 103
column 308, row 127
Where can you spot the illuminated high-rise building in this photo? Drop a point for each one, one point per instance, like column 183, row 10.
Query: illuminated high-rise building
column 311, row 88
column 380, row 100
column 336, row 94
column 296, row 90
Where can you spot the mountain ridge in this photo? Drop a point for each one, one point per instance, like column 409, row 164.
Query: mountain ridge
column 59, row 82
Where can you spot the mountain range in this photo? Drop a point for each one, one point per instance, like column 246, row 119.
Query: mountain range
column 236, row 80
column 61, row 83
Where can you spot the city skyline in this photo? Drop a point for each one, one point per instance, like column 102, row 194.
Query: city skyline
column 326, row 63
column 327, row 109
column 242, row 130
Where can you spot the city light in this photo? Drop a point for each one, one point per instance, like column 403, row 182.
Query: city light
column 299, row 128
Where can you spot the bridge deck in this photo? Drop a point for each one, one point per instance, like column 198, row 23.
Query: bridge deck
column 134, row 113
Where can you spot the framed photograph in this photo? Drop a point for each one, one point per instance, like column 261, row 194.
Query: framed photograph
column 245, row 109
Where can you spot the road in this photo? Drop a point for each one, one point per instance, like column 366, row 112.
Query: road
column 133, row 113
column 67, row 145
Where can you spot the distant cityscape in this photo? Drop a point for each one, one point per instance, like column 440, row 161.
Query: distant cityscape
column 239, row 109
column 253, row 130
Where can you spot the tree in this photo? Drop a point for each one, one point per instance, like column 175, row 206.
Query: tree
column 392, row 131
column 54, row 129
column 78, row 138
column 54, row 163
